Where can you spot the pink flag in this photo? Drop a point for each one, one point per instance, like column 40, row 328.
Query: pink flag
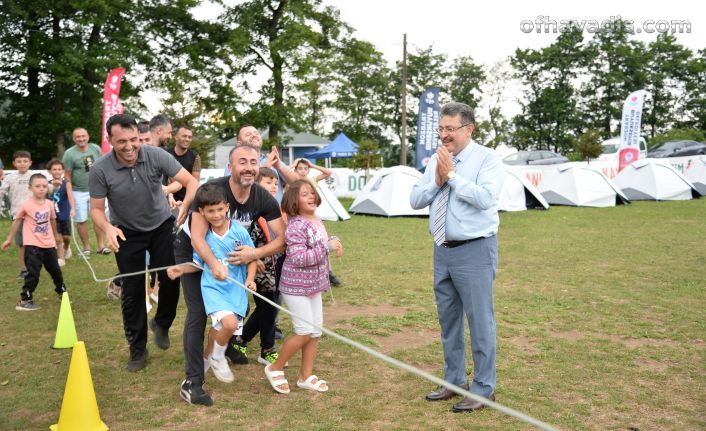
column 630, row 129
column 111, row 103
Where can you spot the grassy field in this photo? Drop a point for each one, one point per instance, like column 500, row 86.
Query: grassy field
column 601, row 325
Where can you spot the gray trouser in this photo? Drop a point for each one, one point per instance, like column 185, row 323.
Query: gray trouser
column 463, row 284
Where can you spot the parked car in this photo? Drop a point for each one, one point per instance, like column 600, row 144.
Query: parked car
column 677, row 149
column 612, row 145
column 538, row 157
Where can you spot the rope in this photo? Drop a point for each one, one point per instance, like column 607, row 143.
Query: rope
column 392, row 361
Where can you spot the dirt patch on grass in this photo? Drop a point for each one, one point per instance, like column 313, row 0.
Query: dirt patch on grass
column 407, row 340
column 651, row 365
column 340, row 311
column 526, row 344
column 644, row 342
column 568, row 335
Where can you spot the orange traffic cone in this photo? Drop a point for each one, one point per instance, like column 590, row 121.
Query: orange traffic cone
column 65, row 329
column 79, row 409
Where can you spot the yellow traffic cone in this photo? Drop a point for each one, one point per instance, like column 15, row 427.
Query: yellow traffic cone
column 79, row 409
column 65, row 328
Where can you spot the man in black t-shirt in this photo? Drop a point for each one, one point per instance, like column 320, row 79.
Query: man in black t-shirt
column 188, row 158
column 247, row 201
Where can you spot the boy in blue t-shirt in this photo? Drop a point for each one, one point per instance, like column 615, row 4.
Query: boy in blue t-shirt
column 224, row 301
column 61, row 193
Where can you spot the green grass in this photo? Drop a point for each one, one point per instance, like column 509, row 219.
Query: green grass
column 601, row 325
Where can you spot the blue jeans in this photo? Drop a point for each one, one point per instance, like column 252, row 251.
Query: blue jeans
column 463, row 284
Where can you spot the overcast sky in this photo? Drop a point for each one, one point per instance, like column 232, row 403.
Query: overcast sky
column 490, row 31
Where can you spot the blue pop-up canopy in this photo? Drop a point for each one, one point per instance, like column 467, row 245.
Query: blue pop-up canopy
column 341, row 147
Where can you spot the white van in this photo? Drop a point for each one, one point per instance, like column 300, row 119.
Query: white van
column 612, row 145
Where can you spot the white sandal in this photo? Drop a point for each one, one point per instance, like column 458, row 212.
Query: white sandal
column 316, row 387
column 276, row 383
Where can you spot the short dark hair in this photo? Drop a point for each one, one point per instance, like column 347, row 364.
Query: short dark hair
column 266, row 173
column 210, row 194
column 232, row 150
column 36, row 176
column 125, row 121
column 237, row 137
column 53, row 162
column 301, row 161
column 21, row 154
column 183, row 126
column 143, row 127
column 159, row 120
column 290, row 199
column 453, row 109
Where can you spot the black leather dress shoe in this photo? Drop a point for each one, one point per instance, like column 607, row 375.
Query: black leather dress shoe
column 469, row 405
column 444, row 393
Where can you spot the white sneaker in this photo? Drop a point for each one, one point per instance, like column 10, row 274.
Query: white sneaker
column 221, row 370
column 62, row 262
column 67, row 253
column 206, row 366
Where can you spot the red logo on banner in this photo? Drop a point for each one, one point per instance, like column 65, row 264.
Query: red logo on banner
column 626, row 156
column 111, row 103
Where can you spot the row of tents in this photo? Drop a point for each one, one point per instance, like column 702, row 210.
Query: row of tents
column 575, row 184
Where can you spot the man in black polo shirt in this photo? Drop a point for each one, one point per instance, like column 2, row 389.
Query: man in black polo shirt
column 130, row 177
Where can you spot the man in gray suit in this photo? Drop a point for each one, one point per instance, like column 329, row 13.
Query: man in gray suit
column 462, row 183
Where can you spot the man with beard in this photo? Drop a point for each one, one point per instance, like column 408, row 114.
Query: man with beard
column 140, row 221
column 161, row 130
column 251, row 136
column 462, row 183
column 78, row 161
column 247, row 202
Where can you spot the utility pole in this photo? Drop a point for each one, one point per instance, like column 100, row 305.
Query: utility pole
column 403, row 130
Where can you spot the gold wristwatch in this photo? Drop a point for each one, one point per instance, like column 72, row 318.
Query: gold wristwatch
column 452, row 175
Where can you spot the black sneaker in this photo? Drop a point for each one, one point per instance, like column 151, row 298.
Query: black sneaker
column 137, row 361
column 23, row 273
column 26, row 305
column 237, row 352
column 193, row 393
column 160, row 335
column 333, row 279
column 60, row 290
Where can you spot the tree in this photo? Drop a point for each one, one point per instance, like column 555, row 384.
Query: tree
column 497, row 125
column 695, row 88
column 588, row 145
column 466, row 81
column 616, row 67
column 666, row 76
column 279, row 36
column 549, row 118
column 55, row 56
column 368, row 157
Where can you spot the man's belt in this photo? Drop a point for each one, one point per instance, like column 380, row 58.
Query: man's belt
column 452, row 244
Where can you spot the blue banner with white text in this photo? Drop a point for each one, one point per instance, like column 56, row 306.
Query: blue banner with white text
column 427, row 123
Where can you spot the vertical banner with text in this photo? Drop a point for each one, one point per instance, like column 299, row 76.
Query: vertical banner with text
column 630, row 128
column 111, row 103
column 427, row 123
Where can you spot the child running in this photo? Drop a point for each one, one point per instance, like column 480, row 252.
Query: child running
column 38, row 220
column 224, row 301
column 61, row 194
column 17, row 186
column 304, row 278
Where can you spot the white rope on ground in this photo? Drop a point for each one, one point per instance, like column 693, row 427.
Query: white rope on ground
column 392, row 361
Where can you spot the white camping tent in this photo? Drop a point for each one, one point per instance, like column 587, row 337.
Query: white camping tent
column 696, row 173
column 518, row 194
column 387, row 193
column 650, row 179
column 330, row 208
column 580, row 185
